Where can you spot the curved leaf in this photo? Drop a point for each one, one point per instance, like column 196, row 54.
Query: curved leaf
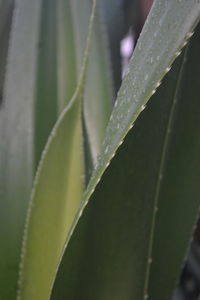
column 98, row 90
column 56, row 197
column 98, row 96
column 109, row 253
column 55, row 200
column 167, row 29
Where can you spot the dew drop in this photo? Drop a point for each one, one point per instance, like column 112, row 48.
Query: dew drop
column 143, row 107
column 178, row 53
column 153, row 92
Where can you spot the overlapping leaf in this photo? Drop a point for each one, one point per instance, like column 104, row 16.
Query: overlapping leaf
column 56, row 197
column 122, row 244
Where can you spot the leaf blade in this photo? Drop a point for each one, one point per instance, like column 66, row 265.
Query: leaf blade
column 113, row 139
column 16, row 151
column 182, row 197
column 60, row 177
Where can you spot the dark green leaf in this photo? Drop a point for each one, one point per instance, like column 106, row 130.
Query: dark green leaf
column 109, row 253
column 178, row 193
column 150, row 62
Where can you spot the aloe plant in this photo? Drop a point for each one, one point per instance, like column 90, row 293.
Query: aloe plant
column 82, row 217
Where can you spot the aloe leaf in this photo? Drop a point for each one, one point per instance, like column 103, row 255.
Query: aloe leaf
column 56, row 197
column 98, row 96
column 55, row 200
column 159, row 44
column 16, row 150
column 109, row 254
column 179, row 190
column 98, row 91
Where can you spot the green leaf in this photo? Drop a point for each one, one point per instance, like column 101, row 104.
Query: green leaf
column 98, row 90
column 179, row 194
column 98, row 96
column 28, row 113
column 167, row 29
column 17, row 146
column 109, row 253
column 56, row 197
column 55, row 200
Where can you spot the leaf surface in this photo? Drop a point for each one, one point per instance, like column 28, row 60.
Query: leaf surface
column 56, row 196
column 17, row 146
column 178, row 194
column 114, row 252
column 98, row 90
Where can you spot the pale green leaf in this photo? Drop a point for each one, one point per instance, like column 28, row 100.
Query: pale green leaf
column 56, row 197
